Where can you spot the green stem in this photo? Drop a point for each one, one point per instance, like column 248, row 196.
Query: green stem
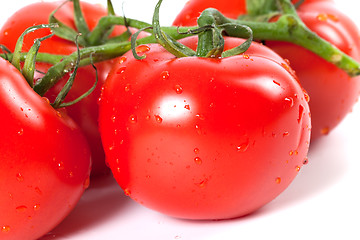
column 106, row 23
column 87, row 55
column 80, row 22
column 40, row 57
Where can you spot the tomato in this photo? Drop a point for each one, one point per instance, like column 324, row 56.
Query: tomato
column 202, row 138
column 333, row 93
column 45, row 160
column 85, row 113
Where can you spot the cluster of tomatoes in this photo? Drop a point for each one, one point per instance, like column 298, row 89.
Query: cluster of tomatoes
column 196, row 138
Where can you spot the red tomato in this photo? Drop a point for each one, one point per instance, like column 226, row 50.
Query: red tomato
column 85, row 113
column 203, row 138
column 45, row 160
column 333, row 93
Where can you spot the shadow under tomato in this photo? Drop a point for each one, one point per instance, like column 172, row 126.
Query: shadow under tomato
column 101, row 201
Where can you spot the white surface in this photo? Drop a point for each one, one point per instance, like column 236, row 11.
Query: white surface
column 322, row 203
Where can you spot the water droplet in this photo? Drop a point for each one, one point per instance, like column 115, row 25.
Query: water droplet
column 46, row 100
column 187, row 106
column 246, row 56
column 158, row 119
column 306, row 96
column 61, row 166
column 278, row 180
column 198, row 160
column 301, row 112
column 127, row 87
column 286, row 65
column 36, row 207
column 198, row 129
column 290, row 101
column 127, row 192
column 306, row 161
column 113, row 118
column 203, row 183
column 58, row 114
column 298, row 168
column 325, row 17
column 277, row 83
column 196, row 150
column 21, row 132
column 142, row 49
column 86, row 183
column 243, row 147
column 325, row 131
column 178, row 89
column 121, row 70
column 165, row 75
column 19, row 177
column 5, row 229
column 122, row 59
column 21, row 208
column 133, row 118
column 285, row 134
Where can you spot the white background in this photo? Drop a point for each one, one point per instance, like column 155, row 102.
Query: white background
column 322, row 203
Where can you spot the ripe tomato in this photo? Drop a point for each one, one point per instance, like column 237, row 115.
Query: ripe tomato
column 333, row 93
column 45, row 160
column 85, row 113
column 203, row 138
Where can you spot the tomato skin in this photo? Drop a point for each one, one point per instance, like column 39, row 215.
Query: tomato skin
column 85, row 113
column 45, row 160
column 201, row 138
column 333, row 93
